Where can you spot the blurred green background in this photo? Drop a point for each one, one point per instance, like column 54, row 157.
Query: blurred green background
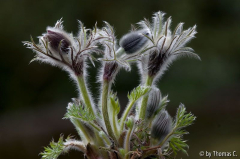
column 33, row 97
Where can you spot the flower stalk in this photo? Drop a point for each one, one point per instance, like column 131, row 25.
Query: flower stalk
column 82, row 131
column 144, row 102
column 84, row 93
column 125, row 115
column 105, row 89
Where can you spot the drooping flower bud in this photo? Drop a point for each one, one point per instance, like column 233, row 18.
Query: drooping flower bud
column 58, row 40
column 134, row 41
column 161, row 127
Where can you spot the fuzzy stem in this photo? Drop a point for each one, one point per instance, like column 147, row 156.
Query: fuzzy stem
column 166, row 138
column 95, row 126
column 143, row 107
column 105, row 115
column 106, row 139
column 127, row 142
column 81, row 128
column 82, row 148
column 85, row 93
column 125, row 114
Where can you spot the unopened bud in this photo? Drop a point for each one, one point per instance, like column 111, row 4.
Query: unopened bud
column 156, row 63
column 153, row 102
column 161, row 127
column 134, row 41
column 58, row 41
column 110, row 70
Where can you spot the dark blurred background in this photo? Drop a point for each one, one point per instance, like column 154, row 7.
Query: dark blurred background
column 33, row 98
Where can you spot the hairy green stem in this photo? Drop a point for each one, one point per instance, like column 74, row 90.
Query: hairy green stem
column 125, row 114
column 106, row 139
column 94, row 126
column 127, row 142
column 82, row 148
column 85, row 93
column 143, row 107
column 81, row 129
column 105, row 115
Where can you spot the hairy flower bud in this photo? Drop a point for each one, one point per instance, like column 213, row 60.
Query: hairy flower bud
column 153, row 102
column 134, row 41
column 161, row 127
column 110, row 70
column 58, row 41
column 156, row 62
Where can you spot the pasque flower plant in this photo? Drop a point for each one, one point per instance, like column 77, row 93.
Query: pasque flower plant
column 145, row 129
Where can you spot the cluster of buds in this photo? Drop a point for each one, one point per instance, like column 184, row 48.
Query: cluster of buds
column 145, row 128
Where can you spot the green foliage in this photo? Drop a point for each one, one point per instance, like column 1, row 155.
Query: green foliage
column 182, row 120
column 138, row 92
column 80, row 112
column 53, row 150
column 114, row 103
column 114, row 109
column 176, row 143
column 164, row 102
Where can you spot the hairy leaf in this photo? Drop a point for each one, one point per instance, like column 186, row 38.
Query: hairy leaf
column 114, row 103
column 138, row 92
column 80, row 112
column 183, row 119
column 53, row 150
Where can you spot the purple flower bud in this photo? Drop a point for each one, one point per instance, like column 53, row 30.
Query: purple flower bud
column 78, row 67
column 156, row 62
column 162, row 126
column 134, row 41
column 110, row 70
column 56, row 39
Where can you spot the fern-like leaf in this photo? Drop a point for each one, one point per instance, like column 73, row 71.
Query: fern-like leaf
column 53, row 150
column 80, row 112
column 138, row 92
column 182, row 120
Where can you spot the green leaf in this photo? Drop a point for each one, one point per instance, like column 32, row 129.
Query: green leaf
column 114, row 103
column 138, row 92
column 176, row 143
column 54, row 150
column 183, row 119
column 80, row 112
